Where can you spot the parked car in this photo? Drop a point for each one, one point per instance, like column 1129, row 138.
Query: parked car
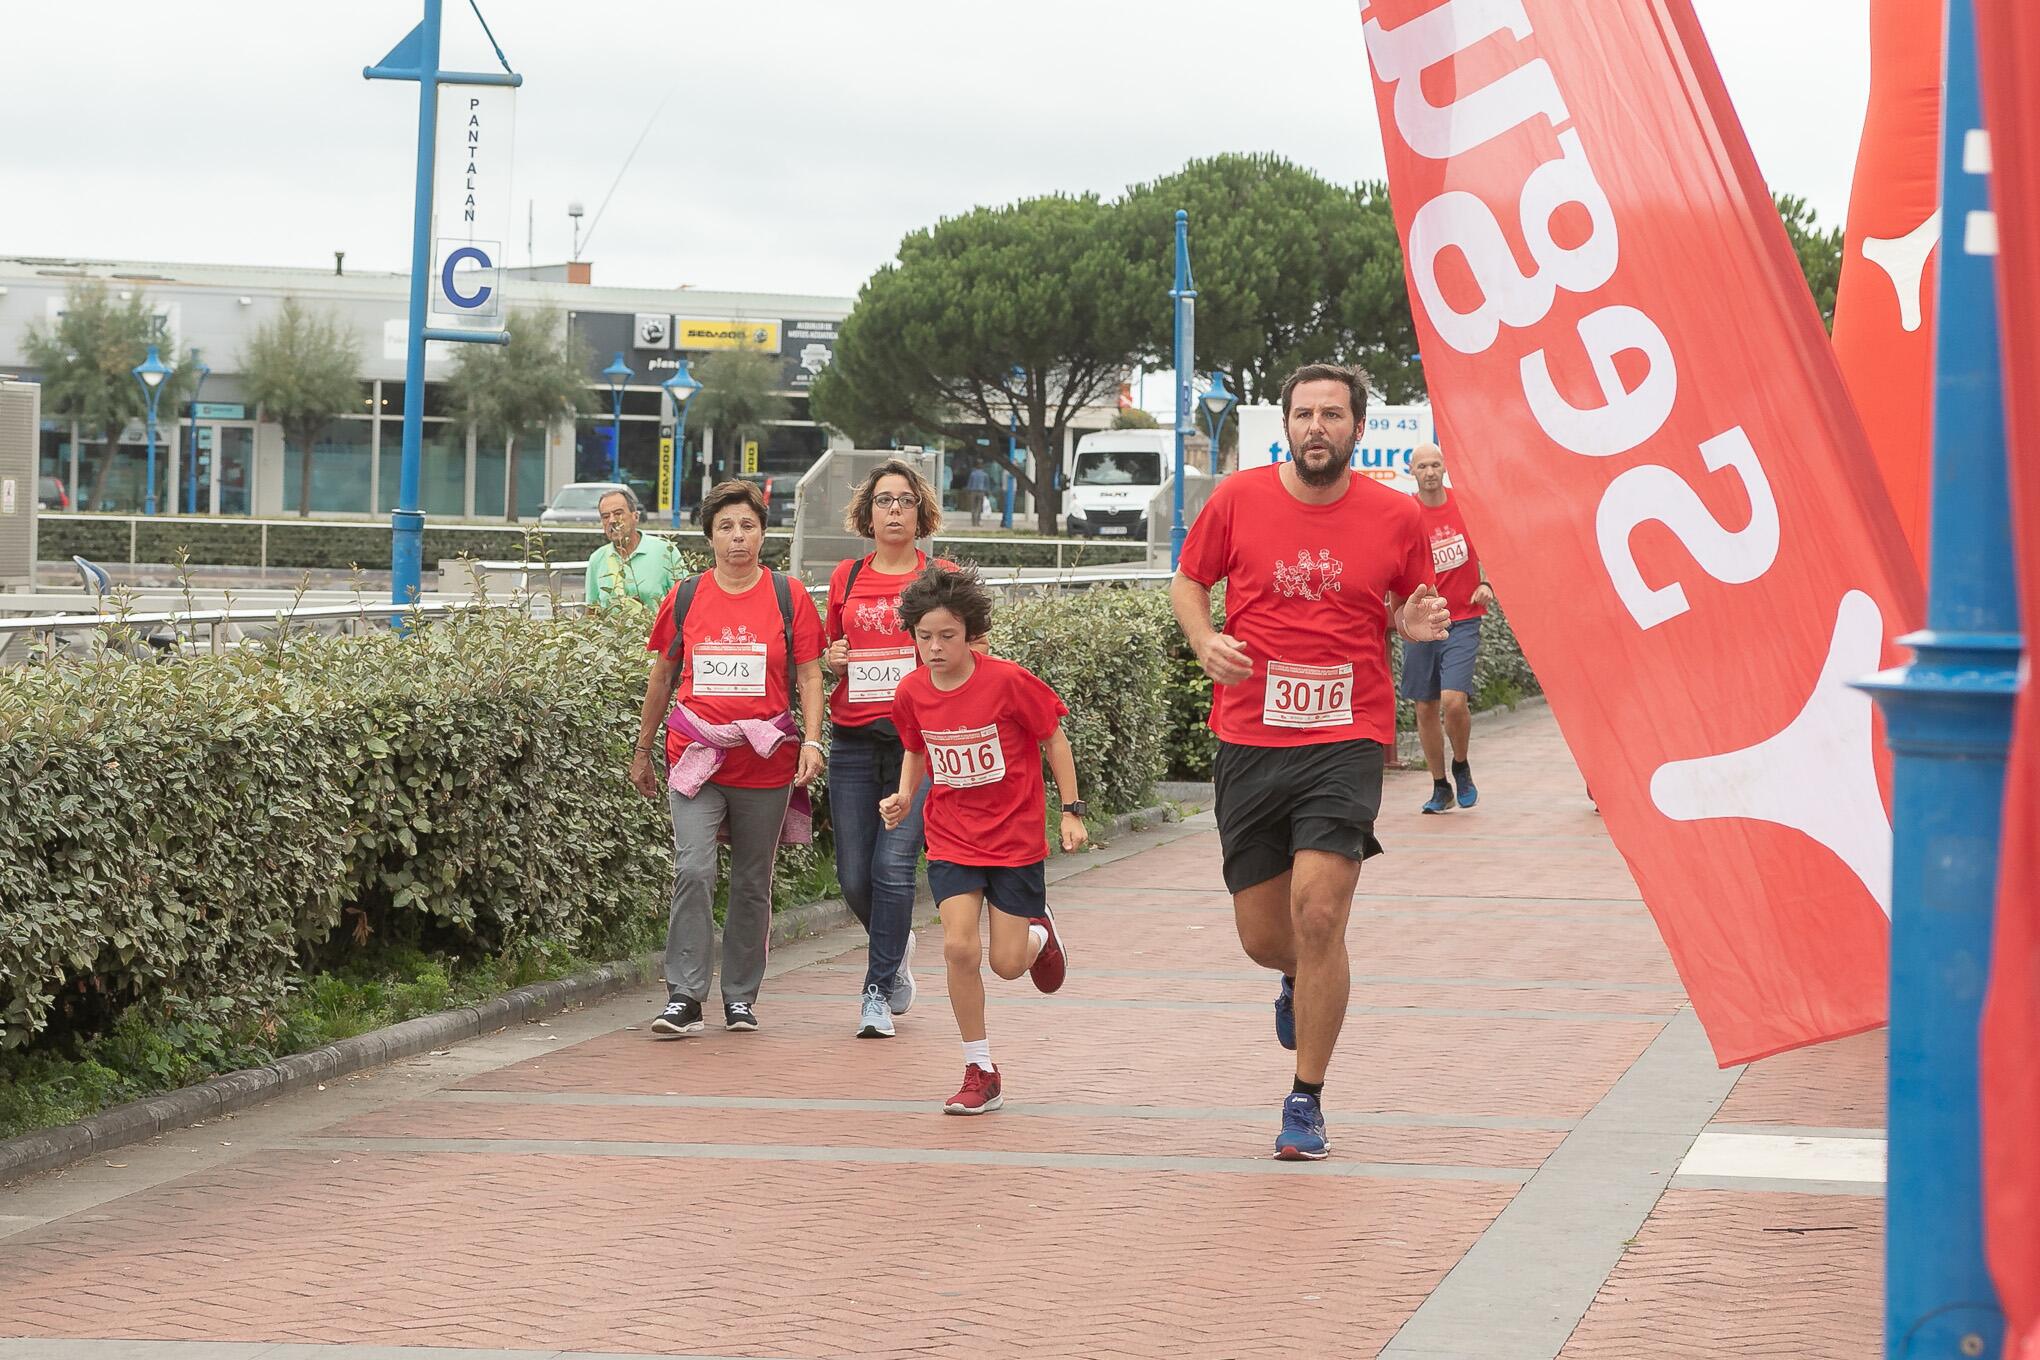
column 52, row 495
column 579, row 503
column 778, row 489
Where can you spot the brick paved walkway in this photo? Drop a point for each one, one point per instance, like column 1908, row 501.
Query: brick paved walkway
column 1514, row 1108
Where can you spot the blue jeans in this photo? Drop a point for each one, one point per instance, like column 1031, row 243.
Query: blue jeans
column 874, row 865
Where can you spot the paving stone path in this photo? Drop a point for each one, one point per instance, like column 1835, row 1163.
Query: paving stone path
column 1534, row 1155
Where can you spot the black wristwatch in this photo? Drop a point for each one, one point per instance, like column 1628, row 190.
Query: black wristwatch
column 1080, row 808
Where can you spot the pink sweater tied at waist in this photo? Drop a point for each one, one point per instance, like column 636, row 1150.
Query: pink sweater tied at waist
column 709, row 744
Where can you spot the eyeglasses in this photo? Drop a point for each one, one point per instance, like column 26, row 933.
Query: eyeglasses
column 887, row 500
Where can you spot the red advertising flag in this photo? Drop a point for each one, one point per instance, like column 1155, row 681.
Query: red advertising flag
column 1884, row 307
column 2008, row 47
column 1671, row 490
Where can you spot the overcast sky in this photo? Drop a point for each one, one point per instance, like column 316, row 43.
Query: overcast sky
column 800, row 139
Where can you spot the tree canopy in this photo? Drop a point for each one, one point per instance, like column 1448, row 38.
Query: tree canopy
column 86, row 361
column 502, row 390
column 303, row 367
column 1819, row 251
column 739, row 398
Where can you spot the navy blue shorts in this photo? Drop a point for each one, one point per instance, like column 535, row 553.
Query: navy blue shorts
column 1016, row 889
column 1429, row 667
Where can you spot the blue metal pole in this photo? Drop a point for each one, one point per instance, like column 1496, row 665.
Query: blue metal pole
column 1185, row 299
column 149, row 502
column 615, row 433
column 679, row 459
column 407, row 524
column 1012, row 458
column 1948, row 722
column 191, row 487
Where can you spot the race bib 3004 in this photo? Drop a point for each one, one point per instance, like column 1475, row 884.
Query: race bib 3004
column 1447, row 553
column 1308, row 696
column 729, row 668
column 876, row 672
column 967, row 757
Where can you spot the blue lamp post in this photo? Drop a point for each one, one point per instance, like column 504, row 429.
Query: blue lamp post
column 151, row 373
column 1218, row 401
column 1184, row 295
column 618, row 374
column 681, row 388
column 202, row 372
column 1012, row 452
column 1948, row 719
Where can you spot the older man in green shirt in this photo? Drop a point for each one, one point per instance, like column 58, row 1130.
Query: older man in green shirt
column 640, row 565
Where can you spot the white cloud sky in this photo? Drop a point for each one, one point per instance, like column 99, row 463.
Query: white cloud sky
column 799, row 141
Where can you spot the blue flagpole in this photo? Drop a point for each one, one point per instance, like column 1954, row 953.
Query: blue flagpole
column 1948, row 722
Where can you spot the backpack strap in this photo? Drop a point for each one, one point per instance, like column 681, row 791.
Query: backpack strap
column 683, row 600
column 782, row 590
column 849, row 585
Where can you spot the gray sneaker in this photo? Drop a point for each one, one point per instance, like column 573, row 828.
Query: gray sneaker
column 903, row 989
column 875, row 1019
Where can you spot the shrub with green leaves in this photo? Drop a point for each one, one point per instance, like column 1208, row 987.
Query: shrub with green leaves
column 211, row 828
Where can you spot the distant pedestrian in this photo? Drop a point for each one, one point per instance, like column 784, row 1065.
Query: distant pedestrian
column 1438, row 676
column 870, row 652
column 980, row 724
column 979, row 490
column 734, row 645
column 632, row 564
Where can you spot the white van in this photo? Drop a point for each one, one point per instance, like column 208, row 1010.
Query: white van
column 1111, row 477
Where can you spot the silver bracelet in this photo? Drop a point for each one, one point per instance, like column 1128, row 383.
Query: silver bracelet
column 818, row 746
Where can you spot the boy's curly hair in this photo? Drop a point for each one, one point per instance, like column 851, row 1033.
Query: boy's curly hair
column 956, row 589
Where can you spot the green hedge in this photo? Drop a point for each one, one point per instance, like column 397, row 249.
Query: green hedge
column 213, row 828
column 341, row 545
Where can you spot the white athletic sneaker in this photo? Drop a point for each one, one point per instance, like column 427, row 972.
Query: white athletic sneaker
column 874, row 1018
column 904, row 989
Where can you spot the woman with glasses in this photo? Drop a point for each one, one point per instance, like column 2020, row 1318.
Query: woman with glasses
column 869, row 653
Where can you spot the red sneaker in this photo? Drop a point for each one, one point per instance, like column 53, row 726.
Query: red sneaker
column 1052, row 964
column 980, row 1093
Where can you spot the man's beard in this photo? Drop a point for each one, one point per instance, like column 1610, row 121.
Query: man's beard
column 1328, row 475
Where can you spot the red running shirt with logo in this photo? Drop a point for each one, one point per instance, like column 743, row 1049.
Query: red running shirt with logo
column 1304, row 595
column 736, row 668
column 881, row 652
column 983, row 743
column 1453, row 560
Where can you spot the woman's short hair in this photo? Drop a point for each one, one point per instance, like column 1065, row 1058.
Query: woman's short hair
column 956, row 589
column 928, row 514
column 723, row 495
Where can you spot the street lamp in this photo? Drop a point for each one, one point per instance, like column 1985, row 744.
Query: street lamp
column 150, row 373
column 200, row 368
column 1218, row 402
column 681, row 387
column 1012, row 450
column 618, row 374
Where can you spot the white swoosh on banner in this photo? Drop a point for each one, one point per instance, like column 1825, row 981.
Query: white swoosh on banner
column 1904, row 261
column 1818, row 776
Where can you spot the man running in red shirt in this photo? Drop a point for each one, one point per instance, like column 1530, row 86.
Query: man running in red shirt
column 1438, row 676
column 1318, row 564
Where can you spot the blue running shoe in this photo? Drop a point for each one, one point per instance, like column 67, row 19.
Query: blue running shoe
column 1462, row 775
column 1285, row 1015
column 1441, row 798
column 1303, row 1130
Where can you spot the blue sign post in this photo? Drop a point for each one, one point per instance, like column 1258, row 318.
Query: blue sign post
column 1185, row 295
column 1948, row 719
column 417, row 58
column 200, row 372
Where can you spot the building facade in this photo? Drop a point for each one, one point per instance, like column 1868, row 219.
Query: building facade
column 219, row 456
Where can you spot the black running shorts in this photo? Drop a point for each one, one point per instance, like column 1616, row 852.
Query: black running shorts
column 1276, row 800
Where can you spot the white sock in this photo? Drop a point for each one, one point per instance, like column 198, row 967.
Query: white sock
column 978, row 1051
column 1038, row 934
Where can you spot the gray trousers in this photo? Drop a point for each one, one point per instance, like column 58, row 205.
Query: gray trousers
column 754, row 817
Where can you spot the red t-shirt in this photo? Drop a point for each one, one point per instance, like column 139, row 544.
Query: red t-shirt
column 881, row 652
column 1453, row 559
column 1303, row 595
column 983, row 740
column 736, row 668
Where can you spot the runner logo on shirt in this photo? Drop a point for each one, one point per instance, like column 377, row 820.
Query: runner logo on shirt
column 1448, row 549
column 1312, row 579
column 741, row 633
column 880, row 616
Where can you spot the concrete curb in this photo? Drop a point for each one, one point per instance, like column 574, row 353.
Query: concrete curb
column 136, row 1121
column 50, row 1149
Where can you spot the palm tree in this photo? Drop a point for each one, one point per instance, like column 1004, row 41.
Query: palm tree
column 87, row 362
column 501, row 390
column 302, row 369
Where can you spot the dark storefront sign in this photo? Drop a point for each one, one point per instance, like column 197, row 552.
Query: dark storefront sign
column 647, row 341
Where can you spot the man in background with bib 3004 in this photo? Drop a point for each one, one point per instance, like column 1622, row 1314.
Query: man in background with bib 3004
column 1318, row 564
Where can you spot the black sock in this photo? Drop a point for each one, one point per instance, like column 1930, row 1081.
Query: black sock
column 1441, row 784
column 1461, row 770
column 1308, row 1088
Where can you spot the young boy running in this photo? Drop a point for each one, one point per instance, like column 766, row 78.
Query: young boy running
column 981, row 723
